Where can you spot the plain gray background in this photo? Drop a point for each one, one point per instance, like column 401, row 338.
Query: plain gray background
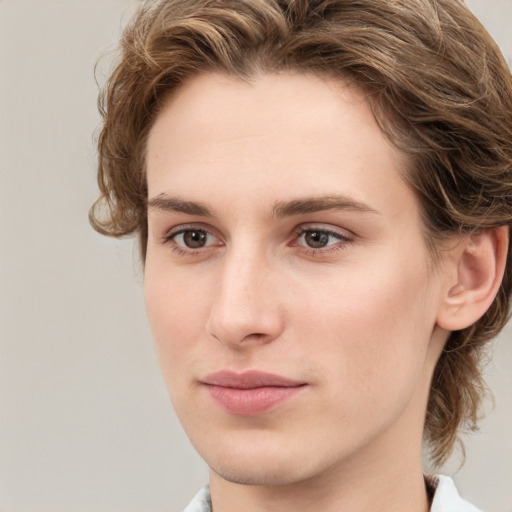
column 85, row 422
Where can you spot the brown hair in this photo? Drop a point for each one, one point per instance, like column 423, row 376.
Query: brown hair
column 440, row 90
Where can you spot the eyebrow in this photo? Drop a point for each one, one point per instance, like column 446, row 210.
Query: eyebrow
column 279, row 209
column 318, row 204
column 175, row 204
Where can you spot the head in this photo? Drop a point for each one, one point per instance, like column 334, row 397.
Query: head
column 432, row 78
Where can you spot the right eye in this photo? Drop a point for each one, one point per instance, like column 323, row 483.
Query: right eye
column 191, row 239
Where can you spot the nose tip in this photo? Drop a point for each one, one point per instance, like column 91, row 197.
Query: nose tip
column 246, row 309
column 236, row 328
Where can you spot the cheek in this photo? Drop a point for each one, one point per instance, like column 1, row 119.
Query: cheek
column 173, row 311
column 372, row 329
column 177, row 313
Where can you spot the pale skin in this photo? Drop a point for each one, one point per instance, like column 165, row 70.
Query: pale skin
column 283, row 238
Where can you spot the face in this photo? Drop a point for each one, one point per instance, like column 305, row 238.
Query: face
column 287, row 281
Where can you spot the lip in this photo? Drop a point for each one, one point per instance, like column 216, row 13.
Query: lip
column 252, row 392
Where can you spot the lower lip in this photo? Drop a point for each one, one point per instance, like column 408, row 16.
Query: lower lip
column 250, row 402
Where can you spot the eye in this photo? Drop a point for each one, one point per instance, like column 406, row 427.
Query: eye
column 316, row 238
column 191, row 239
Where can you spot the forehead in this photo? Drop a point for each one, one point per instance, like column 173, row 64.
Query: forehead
column 279, row 137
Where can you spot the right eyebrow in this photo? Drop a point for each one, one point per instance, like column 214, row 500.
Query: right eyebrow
column 175, row 204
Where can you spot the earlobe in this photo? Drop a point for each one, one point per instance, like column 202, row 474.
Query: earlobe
column 478, row 267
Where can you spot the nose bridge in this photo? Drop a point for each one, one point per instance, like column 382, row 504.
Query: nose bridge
column 245, row 307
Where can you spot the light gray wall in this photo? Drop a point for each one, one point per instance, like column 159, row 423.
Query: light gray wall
column 85, row 423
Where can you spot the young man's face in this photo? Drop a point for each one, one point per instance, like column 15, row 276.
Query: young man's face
column 288, row 285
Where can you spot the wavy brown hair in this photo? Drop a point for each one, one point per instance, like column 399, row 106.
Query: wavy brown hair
column 440, row 90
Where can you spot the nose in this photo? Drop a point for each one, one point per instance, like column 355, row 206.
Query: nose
column 246, row 310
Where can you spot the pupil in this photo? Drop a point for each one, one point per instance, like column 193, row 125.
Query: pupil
column 194, row 239
column 317, row 239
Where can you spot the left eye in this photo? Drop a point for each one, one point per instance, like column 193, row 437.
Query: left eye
column 318, row 238
column 193, row 238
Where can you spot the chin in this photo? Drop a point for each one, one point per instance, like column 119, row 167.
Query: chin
column 259, row 473
column 260, row 462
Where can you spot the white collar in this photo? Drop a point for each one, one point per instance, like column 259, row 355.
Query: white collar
column 447, row 499
column 201, row 501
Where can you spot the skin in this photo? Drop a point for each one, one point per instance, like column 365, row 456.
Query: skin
column 355, row 320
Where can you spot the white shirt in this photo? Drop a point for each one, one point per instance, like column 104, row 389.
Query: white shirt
column 446, row 499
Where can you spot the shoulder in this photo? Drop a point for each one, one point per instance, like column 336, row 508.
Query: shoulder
column 446, row 498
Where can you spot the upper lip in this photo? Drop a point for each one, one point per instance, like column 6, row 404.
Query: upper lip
column 249, row 380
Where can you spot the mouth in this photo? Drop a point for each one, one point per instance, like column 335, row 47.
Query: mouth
column 252, row 392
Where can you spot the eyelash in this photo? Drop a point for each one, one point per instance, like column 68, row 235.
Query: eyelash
column 343, row 240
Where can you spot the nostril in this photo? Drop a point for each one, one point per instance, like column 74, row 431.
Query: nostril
column 257, row 336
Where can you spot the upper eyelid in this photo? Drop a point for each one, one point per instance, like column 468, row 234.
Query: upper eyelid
column 180, row 228
column 326, row 228
column 334, row 232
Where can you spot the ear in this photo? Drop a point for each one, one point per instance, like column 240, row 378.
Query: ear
column 475, row 272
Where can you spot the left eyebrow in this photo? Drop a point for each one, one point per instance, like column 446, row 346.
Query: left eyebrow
column 317, row 204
